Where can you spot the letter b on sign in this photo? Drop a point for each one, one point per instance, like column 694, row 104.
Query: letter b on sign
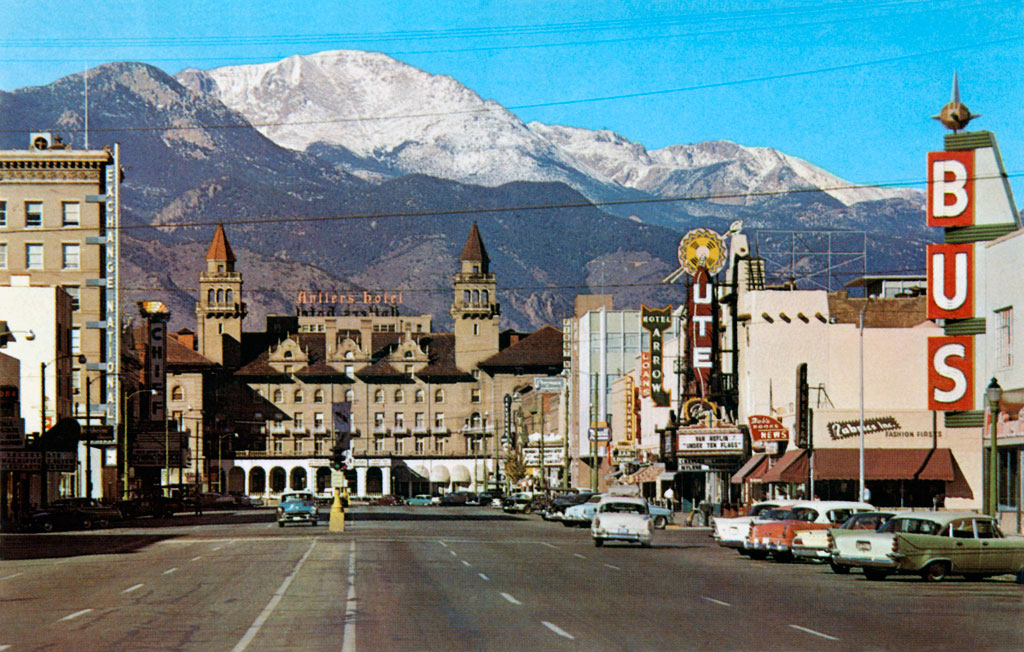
column 950, row 188
column 951, row 373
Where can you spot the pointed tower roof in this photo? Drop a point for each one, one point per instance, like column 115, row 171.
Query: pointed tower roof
column 220, row 249
column 474, row 248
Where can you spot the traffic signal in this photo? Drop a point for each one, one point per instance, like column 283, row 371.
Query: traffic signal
column 338, row 458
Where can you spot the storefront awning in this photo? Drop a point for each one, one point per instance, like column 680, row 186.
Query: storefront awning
column 439, row 474
column 460, row 474
column 646, row 474
column 879, row 464
column 751, row 465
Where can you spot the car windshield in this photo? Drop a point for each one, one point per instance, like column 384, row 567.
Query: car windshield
column 774, row 514
column 624, row 508
column 758, row 510
column 294, row 498
column 596, row 498
column 801, row 514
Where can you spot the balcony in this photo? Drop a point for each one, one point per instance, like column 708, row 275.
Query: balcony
column 380, row 430
column 300, row 431
column 437, row 430
column 420, row 431
column 320, row 430
column 399, row 431
column 277, row 429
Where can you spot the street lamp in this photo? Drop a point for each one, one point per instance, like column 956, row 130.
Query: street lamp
column 124, row 467
column 993, row 393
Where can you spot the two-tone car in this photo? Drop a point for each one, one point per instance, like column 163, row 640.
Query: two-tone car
column 816, row 545
column 966, row 544
column 732, row 532
column 870, row 550
column 775, row 538
column 297, row 507
column 622, row 518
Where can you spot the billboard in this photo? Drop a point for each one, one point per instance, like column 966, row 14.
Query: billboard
column 950, row 188
column 950, row 281
column 951, row 373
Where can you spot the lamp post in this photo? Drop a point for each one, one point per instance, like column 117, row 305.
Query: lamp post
column 993, row 393
column 124, row 468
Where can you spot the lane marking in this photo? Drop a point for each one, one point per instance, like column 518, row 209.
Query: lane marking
column 4, row 647
column 269, row 609
column 612, row 567
column 348, row 635
column 465, row 563
column 811, row 631
column 510, row 598
column 133, row 588
column 169, row 571
column 576, row 554
column 74, row 615
column 485, row 578
column 724, row 604
column 11, row 577
column 558, row 630
column 196, row 558
column 545, row 543
column 217, row 548
column 443, row 544
column 452, row 553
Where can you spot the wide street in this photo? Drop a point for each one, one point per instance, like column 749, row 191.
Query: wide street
column 473, row 578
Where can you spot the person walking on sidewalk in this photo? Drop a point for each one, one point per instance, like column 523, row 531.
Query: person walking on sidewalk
column 670, row 496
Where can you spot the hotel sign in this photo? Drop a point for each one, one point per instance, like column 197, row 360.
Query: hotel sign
column 655, row 321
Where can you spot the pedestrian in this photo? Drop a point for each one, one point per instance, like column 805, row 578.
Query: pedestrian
column 670, row 496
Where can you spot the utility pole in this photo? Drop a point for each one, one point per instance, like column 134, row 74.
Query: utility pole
column 592, row 432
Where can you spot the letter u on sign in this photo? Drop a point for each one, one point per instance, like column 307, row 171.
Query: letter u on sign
column 951, row 373
column 951, row 281
column 950, row 188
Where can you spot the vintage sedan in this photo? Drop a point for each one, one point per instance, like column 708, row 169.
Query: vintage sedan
column 733, row 532
column 965, row 544
column 297, row 507
column 90, row 512
column 815, row 544
column 775, row 538
column 622, row 518
column 870, row 551
column 420, row 499
column 581, row 515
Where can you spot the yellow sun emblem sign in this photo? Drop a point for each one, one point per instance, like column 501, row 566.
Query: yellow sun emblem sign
column 702, row 248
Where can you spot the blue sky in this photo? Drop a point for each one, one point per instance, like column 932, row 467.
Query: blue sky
column 848, row 86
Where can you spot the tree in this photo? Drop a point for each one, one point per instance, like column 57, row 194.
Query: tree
column 515, row 468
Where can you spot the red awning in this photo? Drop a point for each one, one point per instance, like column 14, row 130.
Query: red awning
column 791, row 467
column 884, row 464
column 750, row 467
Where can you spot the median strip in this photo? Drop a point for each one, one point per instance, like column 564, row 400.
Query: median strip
column 811, row 631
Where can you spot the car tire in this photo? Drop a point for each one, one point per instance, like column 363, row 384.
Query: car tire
column 86, row 523
column 645, row 544
column 566, row 524
column 783, row 556
column 759, row 555
column 598, row 543
column 935, row 571
column 46, row 526
column 839, row 569
column 280, row 524
column 660, row 522
column 103, row 523
column 875, row 574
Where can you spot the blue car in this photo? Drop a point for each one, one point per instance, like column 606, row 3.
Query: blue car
column 297, row 507
column 421, row 499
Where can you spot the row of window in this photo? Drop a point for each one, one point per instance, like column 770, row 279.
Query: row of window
column 298, row 396
column 420, row 446
column 71, row 214
column 475, row 297
column 71, row 256
column 219, row 296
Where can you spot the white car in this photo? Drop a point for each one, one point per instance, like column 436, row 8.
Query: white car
column 622, row 518
column 732, row 532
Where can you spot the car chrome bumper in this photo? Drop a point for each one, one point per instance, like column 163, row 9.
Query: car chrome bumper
column 811, row 553
column 864, row 562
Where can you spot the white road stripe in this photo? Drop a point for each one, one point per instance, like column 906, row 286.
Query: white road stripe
column 443, row 544
column 485, row 578
column 11, row 577
column 576, row 554
column 75, row 615
column 348, row 636
column 558, row 630
column 217, row 548
column 545, row 543
column 724, row 604
column 510, row 598
column 612, row 567
column 133, row 588
column 452, row 553
column 269, row 609
column 170, row 570
column 465, row 563
column 4, row 647
column 197, row 558
column 811, row 631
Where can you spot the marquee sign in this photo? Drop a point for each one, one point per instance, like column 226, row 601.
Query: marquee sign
column 656, row 321
column 709, row 441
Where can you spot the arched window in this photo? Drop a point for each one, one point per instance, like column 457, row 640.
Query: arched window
column 211, row 296
column 220, row 296
column 474, row 420
column 466, row 296
column 287, row 355
column 439, row 396
column 227, row 296
column 483, row 296
column 278, row 396
column 298, row 396
column 177, row 393
column 419, row 396
column 318, row 396
column 399, row 396
column 378, row 396
column 476, row 296
column 408, row 354
column 349, row 395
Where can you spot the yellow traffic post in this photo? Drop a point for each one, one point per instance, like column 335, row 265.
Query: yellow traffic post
column 337, row 523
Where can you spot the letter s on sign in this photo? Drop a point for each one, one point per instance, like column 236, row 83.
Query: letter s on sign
column 950, row 373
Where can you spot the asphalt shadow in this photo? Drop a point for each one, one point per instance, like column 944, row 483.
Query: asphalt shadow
column 73, row 544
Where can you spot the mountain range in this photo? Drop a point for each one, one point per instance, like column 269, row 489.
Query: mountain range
column 351, row 170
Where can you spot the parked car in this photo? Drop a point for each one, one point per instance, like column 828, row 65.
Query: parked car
column 213, row 500
column 457, row 498
column 622, row 518
column 154, row 505
column 521, row 502
column 776, row 537
column 733, row 532
column 92, row 513
column 581, row 515
column 243, row 500
column 556, row 509
column 815, row 544
column 389, row 499
column 661, row 516
column 490, row 496
column 420, row 499
column 965, row 544
column 869, row 551
column 297, row 507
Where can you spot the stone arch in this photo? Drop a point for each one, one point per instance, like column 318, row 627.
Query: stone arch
column 298, row 480
column 278, row 480
column 374, row 481
column 323, row 480
column 236, row 480
column 257, row 480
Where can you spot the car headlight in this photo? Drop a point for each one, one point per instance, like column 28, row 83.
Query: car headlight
column 597, row 524
column 280, row 510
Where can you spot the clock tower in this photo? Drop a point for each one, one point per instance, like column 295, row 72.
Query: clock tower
column 220, row 310
column 475, row 308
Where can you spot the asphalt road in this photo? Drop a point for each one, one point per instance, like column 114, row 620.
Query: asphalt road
column 430, row 578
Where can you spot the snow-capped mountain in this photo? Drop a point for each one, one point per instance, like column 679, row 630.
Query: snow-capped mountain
column 385, row 117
